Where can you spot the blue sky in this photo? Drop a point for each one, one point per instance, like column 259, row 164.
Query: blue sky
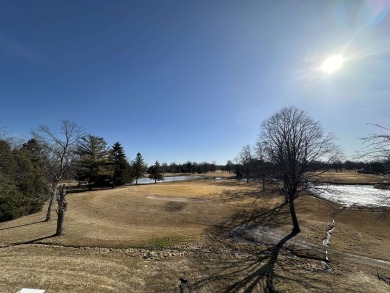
column 192, row 80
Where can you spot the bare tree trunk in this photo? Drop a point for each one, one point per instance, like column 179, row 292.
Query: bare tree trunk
column 62, row 205
column 294, row 218
column 52, row 197
column 263, row 177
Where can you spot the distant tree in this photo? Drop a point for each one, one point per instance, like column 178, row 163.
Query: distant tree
column 238, row 171
column 377, row 167
column 291, row 140
column 138, row 167
column 58, row 151
column 246, row 160
column 164, row 168
column 188, row 168
column 93, row 165
column 155, row 172
column 377, row 150
column 229, row 166
column 338, row 166
column 173, row 168
column 121, row 167
column 212, row 166
column 203, row 168
column 259, row 166
column 349, row 165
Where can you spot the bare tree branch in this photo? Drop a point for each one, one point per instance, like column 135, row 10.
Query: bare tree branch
column 59, row 152
column 377, row 145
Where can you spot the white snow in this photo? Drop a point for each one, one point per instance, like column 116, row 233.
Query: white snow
column 358, row 195
column 326, row 240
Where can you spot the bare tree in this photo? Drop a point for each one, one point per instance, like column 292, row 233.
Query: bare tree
column 58, row 151
column 378, row 144
column 377, row 150
column 294, row 143
column 245, row 160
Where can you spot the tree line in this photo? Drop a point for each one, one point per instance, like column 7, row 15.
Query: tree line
column 251, row 166
column 191, row 167
column 33, row 172
column 292, row 151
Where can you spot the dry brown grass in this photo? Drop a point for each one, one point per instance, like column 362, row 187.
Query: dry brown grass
column 350, row 177
column 134, row 215
column 151, row 235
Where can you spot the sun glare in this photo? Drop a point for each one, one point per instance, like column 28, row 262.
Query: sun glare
column 332, row 64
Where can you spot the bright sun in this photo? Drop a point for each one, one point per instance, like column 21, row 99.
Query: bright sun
column 332, row 64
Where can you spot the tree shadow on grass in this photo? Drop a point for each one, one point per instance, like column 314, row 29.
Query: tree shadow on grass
column 257, row 215
column 24, row 225
column 84, row 189
column 32, row 241
column 266, row 271
column 239, row 269
column 256, row 272
column 35, row 241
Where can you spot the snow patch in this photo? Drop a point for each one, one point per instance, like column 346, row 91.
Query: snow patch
column 354, row 195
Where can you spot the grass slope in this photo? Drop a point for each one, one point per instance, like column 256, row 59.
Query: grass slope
column 144, row 238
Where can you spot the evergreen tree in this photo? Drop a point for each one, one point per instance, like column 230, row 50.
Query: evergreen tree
column 121, row 169
column 138, row 167
column 11, row 199
column 93, row 165
column 155, row 172
column 31, row 180
column 35, row 151
column 23, row 186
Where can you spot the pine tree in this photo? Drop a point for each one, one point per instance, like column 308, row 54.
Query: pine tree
column 155, row 172
column 138, row 167
column 23, row 186
column 93, row 165
column 121, row 169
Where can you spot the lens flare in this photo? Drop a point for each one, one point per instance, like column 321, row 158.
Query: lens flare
column 332, row 64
